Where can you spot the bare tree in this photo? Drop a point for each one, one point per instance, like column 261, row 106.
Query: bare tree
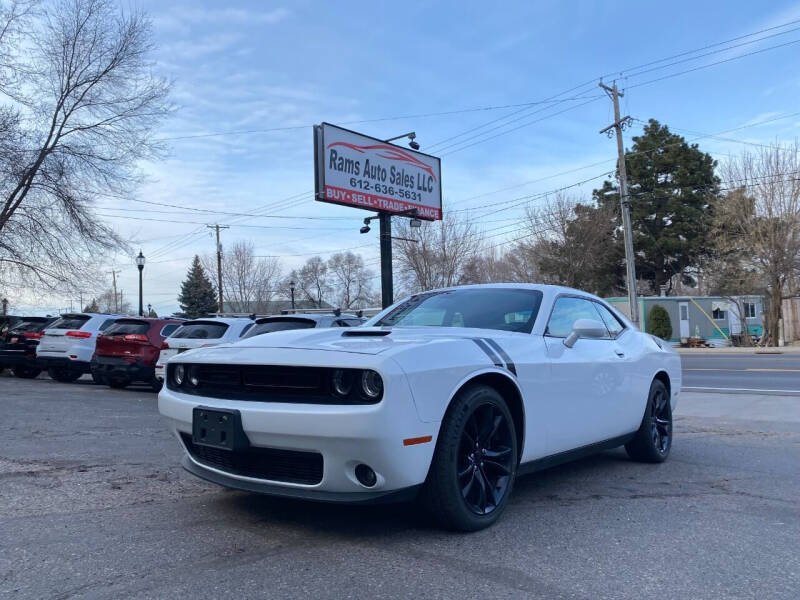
column 573, row 244
column 436, row 254
column 106, row 303
column 248, row 282
column 81, row 106
column 352, row 282
column 312, row 282
column 759, row 224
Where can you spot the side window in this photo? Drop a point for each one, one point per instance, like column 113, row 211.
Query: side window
column 106, row 323
column 168, row 329
column 246, row 329
column 341, row 323
column 566, row 311
column 613, row 324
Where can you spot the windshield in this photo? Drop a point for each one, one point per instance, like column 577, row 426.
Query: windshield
column 271, row 325
column 201, row 330
column 29, row 326
column 507, row 309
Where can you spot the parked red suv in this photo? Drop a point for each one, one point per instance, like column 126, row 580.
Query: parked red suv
column 128, row 349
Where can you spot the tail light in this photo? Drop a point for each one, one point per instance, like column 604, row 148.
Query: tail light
column 164, row 346
column 32, row 336
column 78, row 334
column 135, row 337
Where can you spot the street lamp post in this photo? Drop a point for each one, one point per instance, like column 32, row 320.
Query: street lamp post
column 291, row 287
column 140, row 266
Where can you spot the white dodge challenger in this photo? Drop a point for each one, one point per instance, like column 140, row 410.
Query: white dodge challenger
column 447, row 395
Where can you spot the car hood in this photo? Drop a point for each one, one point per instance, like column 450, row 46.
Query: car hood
column 364, row 340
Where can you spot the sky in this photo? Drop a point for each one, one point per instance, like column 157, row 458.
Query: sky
column 251, row 78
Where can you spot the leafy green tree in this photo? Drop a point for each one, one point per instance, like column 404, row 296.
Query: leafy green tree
column 198, row 297
column 658, row 323
column 671, row 185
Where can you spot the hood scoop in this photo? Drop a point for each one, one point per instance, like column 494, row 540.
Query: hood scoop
column 366, row 332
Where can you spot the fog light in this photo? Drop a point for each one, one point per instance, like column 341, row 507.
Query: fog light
column 365, row 475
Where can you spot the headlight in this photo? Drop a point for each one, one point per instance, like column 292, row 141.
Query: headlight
column 342, row 382
column 371, row 384
column 179, row 374
column 194, row 376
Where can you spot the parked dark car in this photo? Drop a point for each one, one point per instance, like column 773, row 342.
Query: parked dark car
column 128, row 349
column 18, row 346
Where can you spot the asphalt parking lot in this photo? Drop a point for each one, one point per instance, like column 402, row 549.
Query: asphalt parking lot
column 94, row 504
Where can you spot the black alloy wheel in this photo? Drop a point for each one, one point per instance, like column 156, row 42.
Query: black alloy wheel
column 485, row 459
column 661, row 421
column 653, row 441
column 474, row 463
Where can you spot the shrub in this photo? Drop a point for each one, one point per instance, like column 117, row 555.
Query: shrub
column 658, row 323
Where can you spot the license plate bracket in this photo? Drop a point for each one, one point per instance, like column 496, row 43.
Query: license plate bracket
column 218, row 428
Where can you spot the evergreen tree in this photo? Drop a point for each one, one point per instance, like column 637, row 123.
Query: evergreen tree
column 198, row 297
column 671, row 186
column 92, row 307
column 658, row 323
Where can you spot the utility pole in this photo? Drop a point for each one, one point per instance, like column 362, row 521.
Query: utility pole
column 387, row 277
column 217, row 227
column 114, row 279
column 625, row 204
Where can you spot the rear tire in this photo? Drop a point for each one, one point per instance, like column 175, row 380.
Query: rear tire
column 64, row 375
column 99, row 379
column 653, row 440
column 118, row 383
column 156, row 384
column 475, row 461
column 26, row 372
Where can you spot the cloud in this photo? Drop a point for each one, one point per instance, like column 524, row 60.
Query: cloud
column 237, row 16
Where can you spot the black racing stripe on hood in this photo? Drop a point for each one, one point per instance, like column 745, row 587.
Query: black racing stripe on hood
column 509, row 363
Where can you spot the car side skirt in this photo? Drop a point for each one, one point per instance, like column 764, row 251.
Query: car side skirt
column 569, row 455
column 366, row 497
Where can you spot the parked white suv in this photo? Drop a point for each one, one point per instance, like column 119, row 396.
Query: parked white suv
column 66, row 348
column 298, row 320
column 200, row 333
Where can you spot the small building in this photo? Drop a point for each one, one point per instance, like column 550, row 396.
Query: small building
column 713, row 318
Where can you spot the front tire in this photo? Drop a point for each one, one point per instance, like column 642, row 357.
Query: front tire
column 653, row 440
column 475, row 461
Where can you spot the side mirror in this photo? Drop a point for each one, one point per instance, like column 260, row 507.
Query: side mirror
column 585, row 328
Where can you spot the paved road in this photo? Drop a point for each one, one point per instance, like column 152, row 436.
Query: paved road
column 709, row 372
column 93, row 504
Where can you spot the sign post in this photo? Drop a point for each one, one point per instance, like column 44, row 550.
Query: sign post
column 365, row 172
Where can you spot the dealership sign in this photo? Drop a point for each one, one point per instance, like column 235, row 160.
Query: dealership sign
column 365, row 172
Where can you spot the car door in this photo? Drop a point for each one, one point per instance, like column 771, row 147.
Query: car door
column 586, row 381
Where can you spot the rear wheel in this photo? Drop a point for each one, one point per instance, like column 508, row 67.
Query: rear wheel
column 26, row 372
column 473, row 467
column 99, row 379
column 156, row 384
column 64, row 375
column 653, row 441
column 118, row 383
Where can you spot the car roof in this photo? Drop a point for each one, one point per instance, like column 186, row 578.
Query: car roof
column 308, row 316
column 226, row 320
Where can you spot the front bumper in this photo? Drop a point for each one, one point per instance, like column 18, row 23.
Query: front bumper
column 345, row 436
column 121, row 367
column 62, row 362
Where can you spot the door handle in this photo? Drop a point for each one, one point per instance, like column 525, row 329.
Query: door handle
column 619, row 353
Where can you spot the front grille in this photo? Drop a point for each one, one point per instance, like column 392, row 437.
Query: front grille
column 268, row 383
column 291, row 466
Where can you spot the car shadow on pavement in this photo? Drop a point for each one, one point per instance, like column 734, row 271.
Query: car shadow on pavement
column 555, row 485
